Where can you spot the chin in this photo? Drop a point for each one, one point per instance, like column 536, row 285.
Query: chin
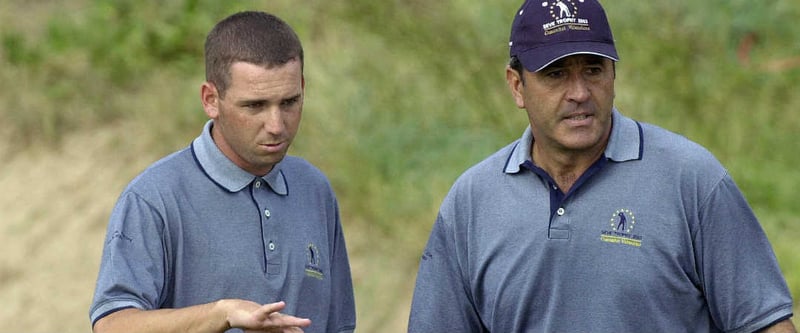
column 582, row 145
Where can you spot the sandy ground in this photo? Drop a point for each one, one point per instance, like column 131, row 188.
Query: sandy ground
column 54, row 207
column 53, row 210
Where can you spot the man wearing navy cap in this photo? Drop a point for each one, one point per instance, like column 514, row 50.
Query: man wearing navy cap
column 592, row 221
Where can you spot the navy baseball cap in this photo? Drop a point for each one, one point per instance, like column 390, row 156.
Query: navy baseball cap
column 545, row 31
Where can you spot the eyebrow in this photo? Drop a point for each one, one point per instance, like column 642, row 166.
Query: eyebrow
column 267, row 101
column 251, row 101
column 293, row 97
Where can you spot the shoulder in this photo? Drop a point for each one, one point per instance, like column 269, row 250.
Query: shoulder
column 482, row 177
column 673, row 150
column 491, row 166
column 298, row 168
column 167, row 171
column 300, row 173
column 670, row 159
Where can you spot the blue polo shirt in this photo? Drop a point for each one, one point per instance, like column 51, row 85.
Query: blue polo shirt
column 654, row 237
column 194, row 228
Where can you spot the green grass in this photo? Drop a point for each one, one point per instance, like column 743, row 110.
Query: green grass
column 402, row 96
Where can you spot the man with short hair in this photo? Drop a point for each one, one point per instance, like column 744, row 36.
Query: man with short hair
column 230, row 233
column 591, row 221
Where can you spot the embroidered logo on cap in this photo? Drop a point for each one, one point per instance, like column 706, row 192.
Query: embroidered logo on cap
column 621, row 229
column 565, row 14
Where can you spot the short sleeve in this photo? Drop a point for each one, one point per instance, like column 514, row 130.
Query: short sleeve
column 742, row 281
column 132, row 268
column 342, row 311
column 441, row 301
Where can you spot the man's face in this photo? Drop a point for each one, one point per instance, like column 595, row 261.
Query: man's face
column 568, row 103
column 256, row 121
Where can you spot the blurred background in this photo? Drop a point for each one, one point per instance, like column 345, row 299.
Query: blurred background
column 402, row 96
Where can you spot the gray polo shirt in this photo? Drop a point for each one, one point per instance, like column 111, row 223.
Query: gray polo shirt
column 194, row 228
column 654, row 237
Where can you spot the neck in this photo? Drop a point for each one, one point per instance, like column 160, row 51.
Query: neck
column 565, row 167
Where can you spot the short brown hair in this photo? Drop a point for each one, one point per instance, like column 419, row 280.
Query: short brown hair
column 254, row 37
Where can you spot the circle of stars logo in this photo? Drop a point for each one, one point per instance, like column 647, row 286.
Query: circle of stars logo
column 562, row 8
column 623, row 220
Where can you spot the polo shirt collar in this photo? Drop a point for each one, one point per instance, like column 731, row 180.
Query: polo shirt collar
column 224, row 172
column 624, row 143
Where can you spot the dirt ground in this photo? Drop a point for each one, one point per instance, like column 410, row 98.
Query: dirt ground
column 54, row 206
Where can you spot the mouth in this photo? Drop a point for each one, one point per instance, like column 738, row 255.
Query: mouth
column 579, row 117
column 272, row 147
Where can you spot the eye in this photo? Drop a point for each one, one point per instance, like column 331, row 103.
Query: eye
column 555, row 74
column 594, row 70
column 254, row 105
column 290, row 101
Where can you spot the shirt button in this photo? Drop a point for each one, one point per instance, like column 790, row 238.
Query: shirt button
column 271, row 246
column 258, row 184
column 560, row 211
column 267, row 213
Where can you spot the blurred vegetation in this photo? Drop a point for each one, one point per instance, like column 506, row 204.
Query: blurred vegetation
column 402, row 96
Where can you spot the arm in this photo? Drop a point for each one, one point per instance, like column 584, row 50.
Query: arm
column 440, row 302
column 131, row 278
column 211, row 317
column 342, row 311
column 743, row 282
column 784, row 326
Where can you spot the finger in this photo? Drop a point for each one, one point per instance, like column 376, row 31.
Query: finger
column 277, row 330
column 262, row 313
column 283, row 320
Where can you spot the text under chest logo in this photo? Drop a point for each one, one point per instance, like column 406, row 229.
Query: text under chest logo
column 620, row 229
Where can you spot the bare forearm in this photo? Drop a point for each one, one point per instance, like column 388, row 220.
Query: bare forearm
column 785, row 326
column 205, row 318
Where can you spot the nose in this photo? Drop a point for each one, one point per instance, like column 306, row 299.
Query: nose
column 578, row 89
column 273, row 121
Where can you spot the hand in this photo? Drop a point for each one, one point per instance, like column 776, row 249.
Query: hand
column 253, row 317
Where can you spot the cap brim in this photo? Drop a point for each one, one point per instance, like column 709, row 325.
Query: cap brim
column 537, row 59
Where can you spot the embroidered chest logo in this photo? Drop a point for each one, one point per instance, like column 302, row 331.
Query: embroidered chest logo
column 565, row 16
column 620, row 229
column 312, row 262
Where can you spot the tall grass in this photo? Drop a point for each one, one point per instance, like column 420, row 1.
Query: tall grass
column 402, row 96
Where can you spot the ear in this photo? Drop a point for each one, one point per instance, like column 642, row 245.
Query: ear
column 209, row 96
column 514, row 81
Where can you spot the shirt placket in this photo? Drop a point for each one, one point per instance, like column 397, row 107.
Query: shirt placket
column 269, row 231
column 559, row 219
